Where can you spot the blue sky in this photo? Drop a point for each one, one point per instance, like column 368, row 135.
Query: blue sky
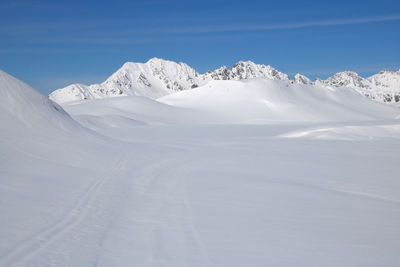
column 50, row 44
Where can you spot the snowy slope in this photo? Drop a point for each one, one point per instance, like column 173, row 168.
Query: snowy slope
column 24, row 108
column 267, row 101
column 198, row 183
column 46, row 162
column 132, row 111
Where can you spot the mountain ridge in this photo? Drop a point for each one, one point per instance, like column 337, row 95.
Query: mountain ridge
column 158, row 77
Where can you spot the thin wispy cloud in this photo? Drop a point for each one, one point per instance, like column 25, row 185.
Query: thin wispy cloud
column 226, row 28
column 196, row 28
column 154, row 34
column 258, row 27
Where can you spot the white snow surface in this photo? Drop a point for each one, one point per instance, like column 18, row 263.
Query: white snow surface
column 236, row 173
column 269, row 101
column 22, row 106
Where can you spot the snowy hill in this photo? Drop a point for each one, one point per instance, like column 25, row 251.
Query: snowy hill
column 266, row 101
column 24, row 108
column 251, row 101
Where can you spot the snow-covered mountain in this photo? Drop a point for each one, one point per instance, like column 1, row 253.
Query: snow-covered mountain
column 158, row 77
column 301, row 79
column 245, row 70
column 384, row 86
column 152, row 79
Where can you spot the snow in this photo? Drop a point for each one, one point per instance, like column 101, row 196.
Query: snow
column 268, row 101
column 235, row 173
column 157, row 78
column 383, row 86
column 152, row 79
column 301, row 79
column 350, row 132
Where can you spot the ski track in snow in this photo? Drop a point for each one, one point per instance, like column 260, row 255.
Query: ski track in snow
column 159, row 200
column 156, row 187
column 41, row 241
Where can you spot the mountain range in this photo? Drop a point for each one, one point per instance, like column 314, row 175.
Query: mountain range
column 157, row 78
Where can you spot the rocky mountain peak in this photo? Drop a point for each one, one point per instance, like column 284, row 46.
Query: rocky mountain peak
column 158, row 77
column 346, row 79
column 301, row 79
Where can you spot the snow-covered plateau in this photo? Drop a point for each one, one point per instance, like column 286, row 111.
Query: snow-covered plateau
column 158, row 77
column 234, row 172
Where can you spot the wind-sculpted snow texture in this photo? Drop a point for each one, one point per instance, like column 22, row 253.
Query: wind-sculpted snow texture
column 158, row 77
column 236, row 173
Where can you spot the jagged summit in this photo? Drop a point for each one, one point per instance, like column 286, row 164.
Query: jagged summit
column 153, row 79
column 158, row 77
column 301, row 79
column 344, row 79
column 248, row 69
column 245, row 70
column 383, row 86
